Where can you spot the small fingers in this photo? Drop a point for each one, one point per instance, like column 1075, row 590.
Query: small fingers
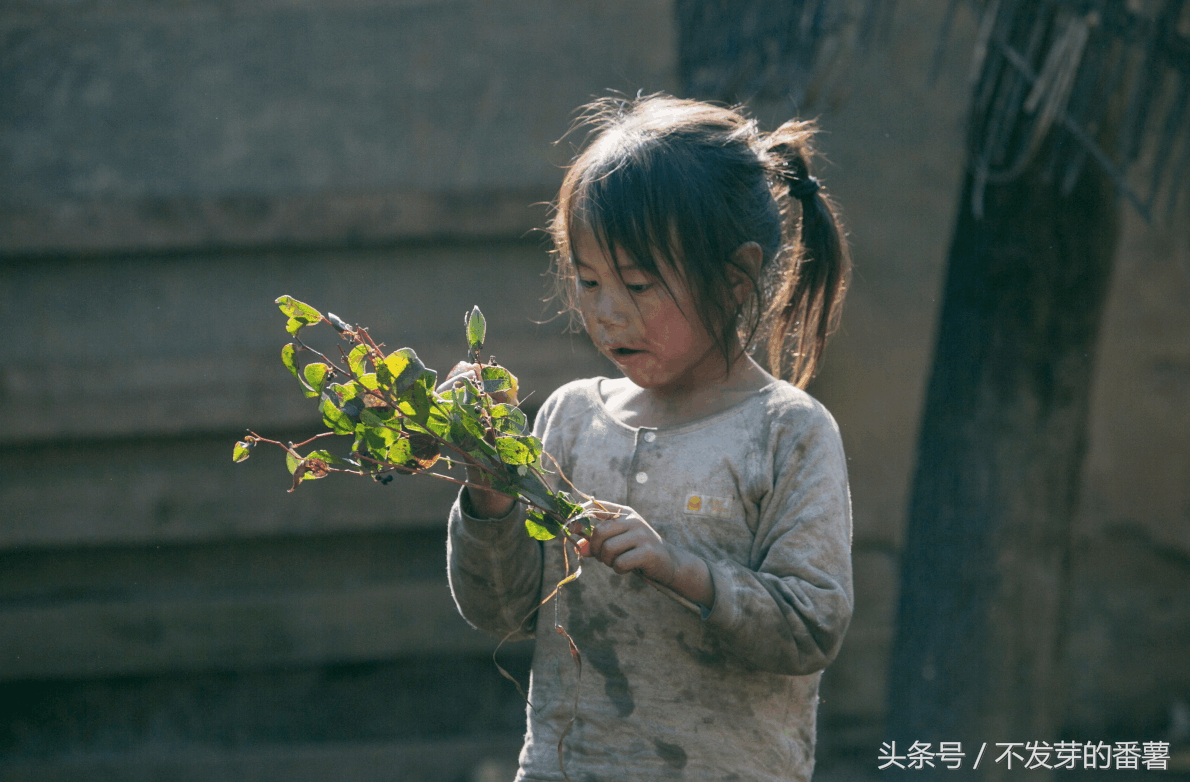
column 463, row 369
column 604, row 511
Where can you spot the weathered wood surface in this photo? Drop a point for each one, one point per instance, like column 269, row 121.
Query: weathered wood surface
column 161, row 223
column 382, row 702
column 474, row 758
column 137, row 125
column 228, row 605
column 155, row 634
column 190, row 491
column 172, row 345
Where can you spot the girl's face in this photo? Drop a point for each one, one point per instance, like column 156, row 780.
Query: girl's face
column 656, row 339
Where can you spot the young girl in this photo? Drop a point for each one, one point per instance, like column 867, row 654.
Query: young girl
column 681, row 233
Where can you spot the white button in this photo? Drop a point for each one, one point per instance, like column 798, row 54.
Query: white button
column 641, row 477
column 650, row 437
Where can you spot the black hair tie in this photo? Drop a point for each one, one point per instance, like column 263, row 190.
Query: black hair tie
column 803, row 189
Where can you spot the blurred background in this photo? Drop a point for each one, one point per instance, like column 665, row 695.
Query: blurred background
column 169, row 168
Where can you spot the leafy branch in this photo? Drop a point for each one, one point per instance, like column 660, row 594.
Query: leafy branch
column 401, row 422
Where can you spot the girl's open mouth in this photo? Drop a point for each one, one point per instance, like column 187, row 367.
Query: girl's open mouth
column 626, row 351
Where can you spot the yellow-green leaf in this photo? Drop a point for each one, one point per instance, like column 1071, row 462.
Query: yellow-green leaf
column 537, row 531
column 242, row 450
column 316, row 376
column 477, row 329
column 289, row 358
column 356, row 360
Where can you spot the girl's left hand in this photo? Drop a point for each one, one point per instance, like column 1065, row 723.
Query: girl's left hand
column 625, row 542
column 621, row 539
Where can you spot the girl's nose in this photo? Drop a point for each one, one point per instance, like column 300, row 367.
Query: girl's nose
column 610, row 310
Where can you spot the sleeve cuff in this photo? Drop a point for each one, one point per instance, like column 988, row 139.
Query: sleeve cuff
column 467, row 526
column 469, row 512
column 721, row 612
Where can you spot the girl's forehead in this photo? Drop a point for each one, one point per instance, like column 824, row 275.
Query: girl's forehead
column 586, row 250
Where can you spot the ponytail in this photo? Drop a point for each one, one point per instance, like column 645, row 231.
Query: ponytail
column 815, row 268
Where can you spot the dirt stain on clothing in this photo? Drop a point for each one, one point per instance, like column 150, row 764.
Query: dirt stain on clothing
column 673, row 755
column 589, row 631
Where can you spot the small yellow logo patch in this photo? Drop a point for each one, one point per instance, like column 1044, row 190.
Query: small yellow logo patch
column 706, row 505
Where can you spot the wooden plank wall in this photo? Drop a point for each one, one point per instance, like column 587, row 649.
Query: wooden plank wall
column 169, row 170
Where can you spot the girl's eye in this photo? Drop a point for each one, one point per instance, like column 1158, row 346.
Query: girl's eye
column 639, row 288
column 587, row 284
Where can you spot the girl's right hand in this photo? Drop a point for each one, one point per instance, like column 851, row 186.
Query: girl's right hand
column 485, row 504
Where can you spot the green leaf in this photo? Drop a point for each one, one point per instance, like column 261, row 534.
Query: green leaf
column 350, row 399
column 400, row 451
column 536, row 529
column 566, row 507
column 461, row 437
column 415, row 403
column 357, row 360
column 466, row 433
column 315, row 374
column 334, row 418
column 400, row 370
column 533, row 444
column 496, row 379
column 299, row 310
column 508, row 419
column 289, row 359
column 513, row 451
column 300, row 314
column 477, row 328
column 438, row 422
column 327, row 457
column 373, row 417
column 316, row 377
column 291, row 462
column 533, row 488
column 377, row 441
column 242, row 450
column 349, row 390
column 472, row 425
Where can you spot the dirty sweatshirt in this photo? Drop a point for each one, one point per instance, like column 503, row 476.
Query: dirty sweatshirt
column 666, row 690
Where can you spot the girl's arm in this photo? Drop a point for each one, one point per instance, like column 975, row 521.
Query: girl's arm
column 790, row 613
column 495, row 568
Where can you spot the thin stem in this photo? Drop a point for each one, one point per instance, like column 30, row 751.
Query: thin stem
column 334, row 367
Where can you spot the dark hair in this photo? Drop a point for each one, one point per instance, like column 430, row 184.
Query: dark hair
column 686, row 184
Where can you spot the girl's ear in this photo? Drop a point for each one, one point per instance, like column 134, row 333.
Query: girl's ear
column 744, row 269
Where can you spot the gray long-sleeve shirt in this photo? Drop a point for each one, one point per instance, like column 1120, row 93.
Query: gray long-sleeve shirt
column 760, row 492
